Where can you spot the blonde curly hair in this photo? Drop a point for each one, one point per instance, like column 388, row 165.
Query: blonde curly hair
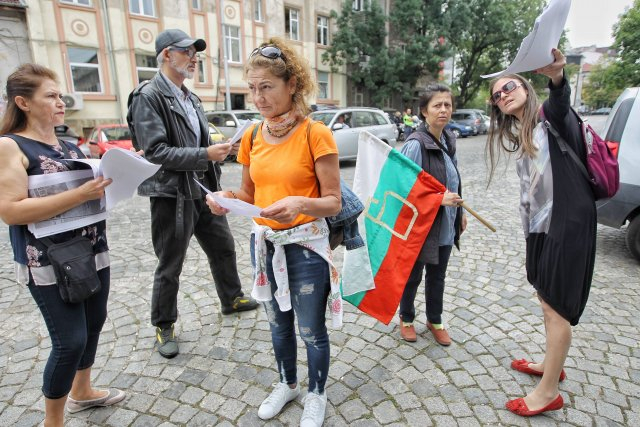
column 288, row 65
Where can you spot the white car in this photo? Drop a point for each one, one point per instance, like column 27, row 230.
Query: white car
column 347, row 123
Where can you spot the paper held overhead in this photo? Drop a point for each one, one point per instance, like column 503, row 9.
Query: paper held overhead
column 535, row 49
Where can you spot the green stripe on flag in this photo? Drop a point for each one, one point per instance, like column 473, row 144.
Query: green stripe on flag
column 398, row 175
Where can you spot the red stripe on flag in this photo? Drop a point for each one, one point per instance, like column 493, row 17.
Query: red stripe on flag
column 382, row 302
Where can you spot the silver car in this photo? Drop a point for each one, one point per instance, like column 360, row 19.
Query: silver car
column 622, row 132
column 230, row 121
column 347, row 123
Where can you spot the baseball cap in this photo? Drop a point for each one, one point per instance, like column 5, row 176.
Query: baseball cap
column 178, row 38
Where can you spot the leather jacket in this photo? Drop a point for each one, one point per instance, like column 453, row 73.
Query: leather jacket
column 160, row 127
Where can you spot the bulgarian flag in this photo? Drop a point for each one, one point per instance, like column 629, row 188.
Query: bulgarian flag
column 401, row 202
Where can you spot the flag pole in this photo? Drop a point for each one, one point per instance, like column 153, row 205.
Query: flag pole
column 478, row 217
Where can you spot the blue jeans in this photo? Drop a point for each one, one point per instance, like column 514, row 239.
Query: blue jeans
column 309, row 287
column 74, row 330
column 434, row 288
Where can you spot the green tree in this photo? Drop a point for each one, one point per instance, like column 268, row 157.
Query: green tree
column 627, row 42
column 599, row 91
column 486, row 35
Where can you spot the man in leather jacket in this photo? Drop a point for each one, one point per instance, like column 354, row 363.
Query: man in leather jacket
column 167, row 122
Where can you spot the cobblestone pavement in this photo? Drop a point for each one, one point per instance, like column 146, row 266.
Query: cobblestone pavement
column 226, row 366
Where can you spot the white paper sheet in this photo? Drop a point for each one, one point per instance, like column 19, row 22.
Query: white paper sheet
column 53, row 183
column 238, row 135
column 535, row 49
column 126, row 168
column 235, row 206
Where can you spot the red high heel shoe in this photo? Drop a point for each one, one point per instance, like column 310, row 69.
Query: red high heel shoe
column 519, row 407
column 522, row 365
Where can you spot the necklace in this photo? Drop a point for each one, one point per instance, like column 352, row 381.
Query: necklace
column 281, row 125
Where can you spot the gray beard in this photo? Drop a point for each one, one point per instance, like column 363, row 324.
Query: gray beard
column 184, row 72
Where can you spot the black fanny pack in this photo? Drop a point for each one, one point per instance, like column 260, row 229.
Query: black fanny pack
column 75, row 268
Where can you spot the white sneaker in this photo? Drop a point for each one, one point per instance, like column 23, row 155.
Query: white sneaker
column 314, row 407
column 280, row 396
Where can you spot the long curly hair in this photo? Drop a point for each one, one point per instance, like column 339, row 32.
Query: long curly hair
column 506, row 133
column 289, row 65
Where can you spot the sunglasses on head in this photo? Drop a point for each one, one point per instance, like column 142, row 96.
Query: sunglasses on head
column 270, row 52
column 508, row 87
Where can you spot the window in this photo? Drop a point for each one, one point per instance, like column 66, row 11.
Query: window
column 361, row 4
column 146, row 67
column 257, row 10
column 142, row 7
column 202, row 77
column 85, row 69
column 232, row 40
column 196, row 4
column 379, row 119
column 323, row 30
column 291, row 23
column 323, row 85
column 80, row 2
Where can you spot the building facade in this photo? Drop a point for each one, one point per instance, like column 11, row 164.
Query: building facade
column 101, row 49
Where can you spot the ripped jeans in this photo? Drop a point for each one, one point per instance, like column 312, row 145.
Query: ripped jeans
column 309, row 286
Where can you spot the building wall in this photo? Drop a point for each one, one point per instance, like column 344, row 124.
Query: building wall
column 57, row 28
column 14, row 45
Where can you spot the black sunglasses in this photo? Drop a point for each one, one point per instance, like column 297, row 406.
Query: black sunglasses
column 508, row 87
column 270, row 52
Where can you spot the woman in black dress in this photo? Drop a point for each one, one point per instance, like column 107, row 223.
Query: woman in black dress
column 558, row 213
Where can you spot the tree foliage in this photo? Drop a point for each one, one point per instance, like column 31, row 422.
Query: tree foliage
column 598, row 91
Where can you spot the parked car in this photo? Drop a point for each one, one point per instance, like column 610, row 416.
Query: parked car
column 356, row 120
column 106, row 137
column 215, row 134
column 228, row 122
column 460, row 129
column 603, row 110
column 320, row 107
column 65, row 133
column 470, row 117
column 622, row 133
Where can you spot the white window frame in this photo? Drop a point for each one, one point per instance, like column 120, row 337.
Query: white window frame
column 292, row 23
column 85, row 65
column 359, row 4
column 257, row 11
column 323, row 85
column 322, row 30
column 86, row 3
column 229, row 40
column 139, row 68
column 142, row 12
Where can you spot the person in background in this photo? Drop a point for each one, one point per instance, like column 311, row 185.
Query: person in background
column 294, row 271
column 433, row 148
column 558, row 213
column 167, row 122
column 29, row 147
column 407, row 119
column 342, row 120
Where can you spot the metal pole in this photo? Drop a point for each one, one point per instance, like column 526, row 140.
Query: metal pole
column 226, row 67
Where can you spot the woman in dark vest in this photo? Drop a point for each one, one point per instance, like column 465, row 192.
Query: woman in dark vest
column 28, row 147
column 434, row 148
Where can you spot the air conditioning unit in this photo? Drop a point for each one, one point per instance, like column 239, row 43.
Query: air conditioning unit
column 73, row 101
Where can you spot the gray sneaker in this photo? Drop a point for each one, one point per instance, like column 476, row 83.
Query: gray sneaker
column 113, row 396
column 166, row 342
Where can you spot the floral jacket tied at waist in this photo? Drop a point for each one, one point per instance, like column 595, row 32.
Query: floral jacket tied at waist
column 314, row 237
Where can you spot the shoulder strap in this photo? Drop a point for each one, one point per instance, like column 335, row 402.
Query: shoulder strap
column 65, row 149
column 565, row 148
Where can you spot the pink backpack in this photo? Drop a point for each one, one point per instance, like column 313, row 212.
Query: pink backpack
column 602, row 166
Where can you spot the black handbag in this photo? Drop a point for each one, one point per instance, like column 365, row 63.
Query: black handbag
column 74, row 265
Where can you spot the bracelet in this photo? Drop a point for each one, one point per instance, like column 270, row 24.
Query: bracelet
column 235, row 196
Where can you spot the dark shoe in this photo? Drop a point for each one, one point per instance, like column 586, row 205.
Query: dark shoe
column 519, row 407
column 113, row 396
column 522, row 365
column 441, row 335
column 166, row 342
column 243, row 303
column 408, row 332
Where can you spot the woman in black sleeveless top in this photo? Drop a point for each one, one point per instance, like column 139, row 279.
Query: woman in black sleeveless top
column 29, row 146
